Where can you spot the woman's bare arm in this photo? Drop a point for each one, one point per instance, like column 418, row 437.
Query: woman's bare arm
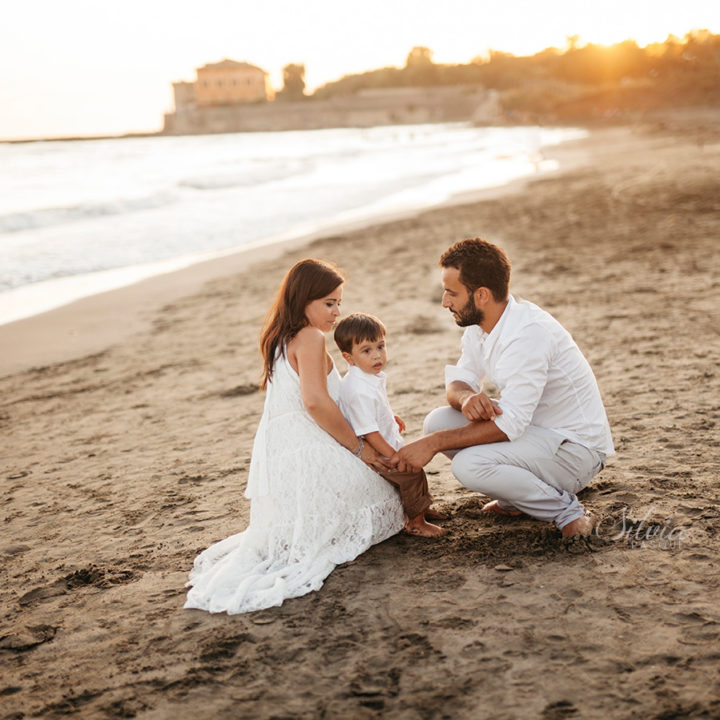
column 307, row 350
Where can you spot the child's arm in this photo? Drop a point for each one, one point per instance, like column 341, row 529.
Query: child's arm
column 400, row 423
column 379, row 444
column 359, row 409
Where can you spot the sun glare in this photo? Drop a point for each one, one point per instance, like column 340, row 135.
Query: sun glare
column 108, row 69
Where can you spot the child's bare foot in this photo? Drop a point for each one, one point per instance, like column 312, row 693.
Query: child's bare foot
column 420, row 527
column 494, row 507
column 431, row 514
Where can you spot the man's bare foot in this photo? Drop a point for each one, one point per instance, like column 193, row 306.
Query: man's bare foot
column 582, row 526
column 420, row 527
column 431, row 514
column 494, row 507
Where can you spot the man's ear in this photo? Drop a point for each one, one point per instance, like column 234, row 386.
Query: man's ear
column 348, row 358
column 482, row 296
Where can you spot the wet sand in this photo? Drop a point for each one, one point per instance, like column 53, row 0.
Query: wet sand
column 118, row 467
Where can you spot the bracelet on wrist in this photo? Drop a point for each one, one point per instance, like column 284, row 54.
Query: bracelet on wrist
column 358, row 452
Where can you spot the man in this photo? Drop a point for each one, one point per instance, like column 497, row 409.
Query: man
column 548, row 435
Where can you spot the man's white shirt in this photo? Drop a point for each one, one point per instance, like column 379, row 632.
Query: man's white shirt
column 364, row 403
column 543, row 378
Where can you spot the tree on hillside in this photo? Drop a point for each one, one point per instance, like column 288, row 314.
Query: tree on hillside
column 419, row 56
column 293, row 82
column 572, row 42
column 419, row 67
column 577, row 81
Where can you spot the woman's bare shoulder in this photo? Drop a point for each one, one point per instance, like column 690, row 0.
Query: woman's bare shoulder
column 308, row 343
column 308, row 338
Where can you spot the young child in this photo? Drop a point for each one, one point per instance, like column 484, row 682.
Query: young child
column 363, row 401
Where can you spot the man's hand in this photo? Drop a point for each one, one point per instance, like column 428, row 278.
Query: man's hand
column 400, row 423
column 479, row 406
column 414, row 455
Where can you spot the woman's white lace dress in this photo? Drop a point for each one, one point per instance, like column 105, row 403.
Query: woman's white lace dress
column 313, row 506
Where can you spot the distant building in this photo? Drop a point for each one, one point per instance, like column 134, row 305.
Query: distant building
column 231, row 96
column 184, row 95
column 367, row 108
column 222, row 84
column 229, row 83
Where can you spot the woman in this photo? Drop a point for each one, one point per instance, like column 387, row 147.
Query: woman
column 315, row 500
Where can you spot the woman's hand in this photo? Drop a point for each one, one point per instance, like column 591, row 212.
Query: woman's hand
column 371, row 458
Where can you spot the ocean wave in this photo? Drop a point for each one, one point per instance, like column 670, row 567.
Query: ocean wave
column 248, row 176
column 47, row 217
column 186, row 197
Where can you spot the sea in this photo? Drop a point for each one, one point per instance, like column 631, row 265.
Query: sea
column 85, row 216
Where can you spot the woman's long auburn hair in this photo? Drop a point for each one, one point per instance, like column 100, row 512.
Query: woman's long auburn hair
column 306, row 281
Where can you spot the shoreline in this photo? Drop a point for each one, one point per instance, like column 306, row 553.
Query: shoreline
column 34, row 298
column 94, row 323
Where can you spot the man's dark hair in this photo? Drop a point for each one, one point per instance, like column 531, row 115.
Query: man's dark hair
column 481, row 264
column 357, row 328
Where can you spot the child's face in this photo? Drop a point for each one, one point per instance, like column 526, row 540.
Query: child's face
column 369, row 355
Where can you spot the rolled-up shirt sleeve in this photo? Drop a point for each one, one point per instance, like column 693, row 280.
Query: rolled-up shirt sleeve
column 468, row 368
column 521, row 376
column 359, row 411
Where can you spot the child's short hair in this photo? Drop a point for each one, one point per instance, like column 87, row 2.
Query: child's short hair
column 355, row 328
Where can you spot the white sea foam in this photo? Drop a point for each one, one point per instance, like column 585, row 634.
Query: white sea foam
column 77, row 218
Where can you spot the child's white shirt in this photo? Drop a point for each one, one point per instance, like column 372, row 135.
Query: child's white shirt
column 364, row 403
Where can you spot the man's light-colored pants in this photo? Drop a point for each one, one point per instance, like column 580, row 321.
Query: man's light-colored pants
column 539, row 473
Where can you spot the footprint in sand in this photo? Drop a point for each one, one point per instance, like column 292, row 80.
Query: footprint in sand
column 92, row 575
column 27, row 637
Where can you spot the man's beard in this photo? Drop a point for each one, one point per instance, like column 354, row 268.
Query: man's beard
column 469, row 314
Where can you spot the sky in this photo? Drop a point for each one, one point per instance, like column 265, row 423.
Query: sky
column 90, row 67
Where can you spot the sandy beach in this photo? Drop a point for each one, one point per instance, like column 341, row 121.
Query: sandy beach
column 120, row 465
